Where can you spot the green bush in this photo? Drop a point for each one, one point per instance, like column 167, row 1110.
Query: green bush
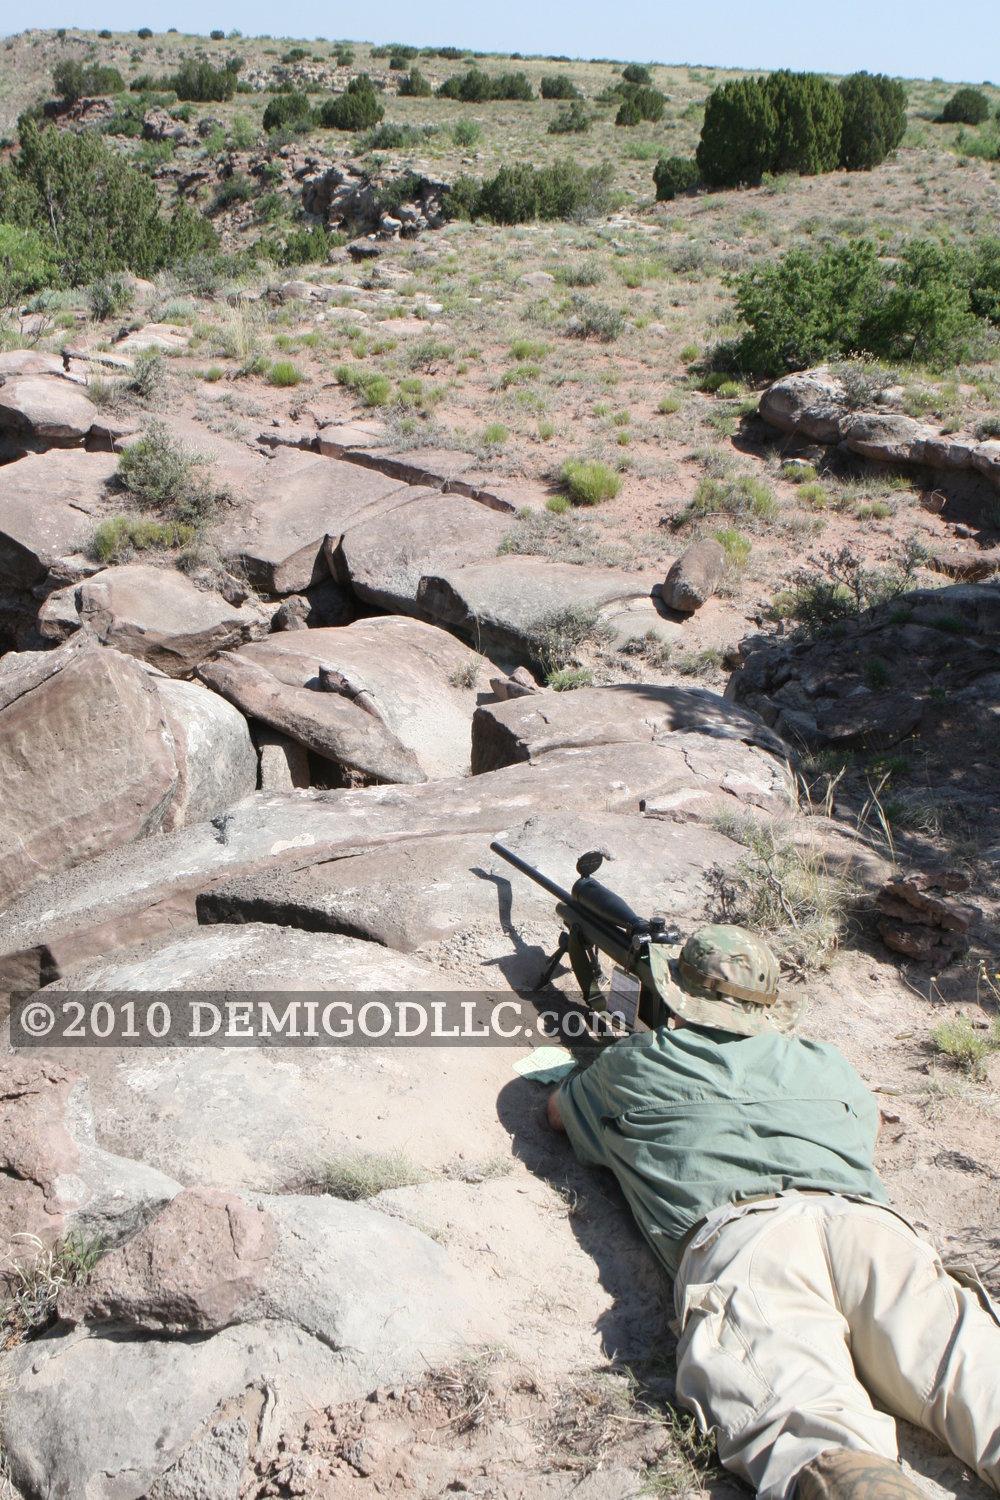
column 810, row 113
column 373, row 388
column 517, row 195
column 415, row 85
column 558, row 86
column 291, row 110
column 984, row 280
column 305, row 246
column 640, row 104
column 844, row 300
column 94, row 212
column 392, row 137
column 874, row 119
column 572, row 119
column 202, row 83
column 966, row 107
column 589, row 483
column 284, row 373
column 27, row 263
column 357, row 108
column 674, row 174
column 739, row 134
column 638, row 74
column 476, row 87
column 144, row 33
column 72, row 81
column 344, row 56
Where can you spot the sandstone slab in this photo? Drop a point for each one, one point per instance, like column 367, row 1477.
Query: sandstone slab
column 46, row 408
column 155, row 614
column 417, row 681
column 299, row 499
column 524, row 729
column 86, row 761
column 151, row 887
column 511, row 603
column 327, row 1331
column 54, row 1178
column 329, row 724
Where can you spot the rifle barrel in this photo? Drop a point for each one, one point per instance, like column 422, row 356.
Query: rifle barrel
column 532, row 873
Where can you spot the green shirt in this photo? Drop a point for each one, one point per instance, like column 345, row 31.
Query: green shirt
column 690, row 1120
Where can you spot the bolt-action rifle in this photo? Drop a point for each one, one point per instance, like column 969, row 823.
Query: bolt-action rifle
column 596, row 920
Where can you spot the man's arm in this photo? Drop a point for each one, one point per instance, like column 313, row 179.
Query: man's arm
column 554, row 1113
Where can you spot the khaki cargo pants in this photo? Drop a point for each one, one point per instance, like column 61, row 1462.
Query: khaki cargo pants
column 797, row 1313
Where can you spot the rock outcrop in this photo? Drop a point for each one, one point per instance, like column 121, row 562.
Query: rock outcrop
column 815, row 404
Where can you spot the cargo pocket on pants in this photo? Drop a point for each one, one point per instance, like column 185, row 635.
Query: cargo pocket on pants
column 717, row 1374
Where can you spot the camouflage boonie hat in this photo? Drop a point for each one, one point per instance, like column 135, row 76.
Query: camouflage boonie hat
column 724, row 977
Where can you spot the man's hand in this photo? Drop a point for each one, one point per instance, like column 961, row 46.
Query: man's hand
column 553, row 1113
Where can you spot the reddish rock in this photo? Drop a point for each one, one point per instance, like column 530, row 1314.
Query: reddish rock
column 192, row 1269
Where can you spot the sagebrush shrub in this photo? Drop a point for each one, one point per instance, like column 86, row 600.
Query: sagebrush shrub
column 966, row 107
column 72, row 81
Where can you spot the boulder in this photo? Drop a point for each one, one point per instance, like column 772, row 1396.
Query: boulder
column 54, row 1179
column 191, row 1270
column 167, row 337
column 86, row 759
column 810, row 403
column 297, row 501
column 329, row 724
column 213, row 752
column 695, row 576
column 887, row 437
column 50, row 505
column 47, row 408
column 155, row 614
column 526, row 728
column 385, row 557
column 415, row 680
column 514, row 603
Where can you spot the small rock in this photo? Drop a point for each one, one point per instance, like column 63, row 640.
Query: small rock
column 537, row 279
column 364, row 250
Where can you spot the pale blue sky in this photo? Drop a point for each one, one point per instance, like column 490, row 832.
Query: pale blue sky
column 909, row 38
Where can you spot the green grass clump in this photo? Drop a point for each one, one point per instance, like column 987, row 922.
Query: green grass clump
column 558, row 504
column 567, row 678
column 589, row 483
column 374, row 389
column 284, row 373
column 519, row 375
column 690, row 353
column 495, row 435
column 744, row 496
column 668, row 405
column 32, row 1289
column 736, row 547
column 967, row 1046
column 116, row 539
column 528, row 350
column 813, row 495
column 367, row 1174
